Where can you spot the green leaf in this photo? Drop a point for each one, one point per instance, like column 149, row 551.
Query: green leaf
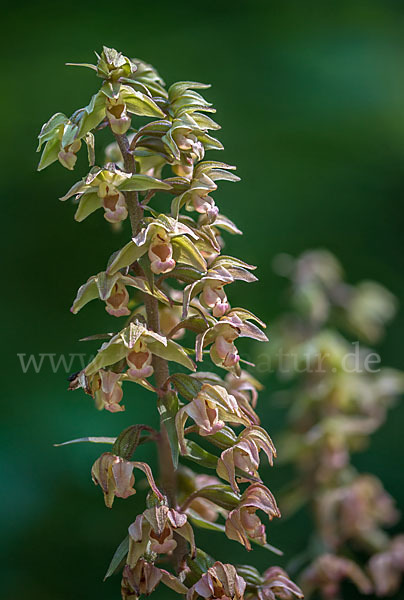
column 118, row 557
column 204, row 524
column 184, row 251
column 86, row 293
column 94, row 440
column 141, row 183
column 111, row 353
column 199, row 455
column 172, row 351
column 126, row 256
column 179, row 88
column 50, row 154
column 48, row 129
column 140, row 104
column 127, row 442
column 168, row 407
column 93, row 114
column 186, row 386
column 88, row 204
column 220, row 494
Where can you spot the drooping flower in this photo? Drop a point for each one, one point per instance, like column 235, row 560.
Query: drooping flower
column 140, row 580
column 245, row 456
column 153, row 531
column 108, row 392
column 356, row 511
column 214, row 297
column 222, row 335
column 210, row 410
column 386, row 568
column 221, row 582
column 244, row 389
column 277, row 585
column 68, row 155
column 115, row 477
column 144, row 577
column 242, row 522
column 328, row 571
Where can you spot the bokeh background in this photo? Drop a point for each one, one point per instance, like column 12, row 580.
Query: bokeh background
column 310, row 96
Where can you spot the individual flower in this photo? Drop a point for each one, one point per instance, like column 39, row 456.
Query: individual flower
column 68, row 154
column 210, row 410
column 202, row 183
column 356, row 511
column 244, row 456
column 328, row 571
column 162, row 238
column 222, row 335
column 386, row 568
column 220, row 582
column 117, row 116
column 108, row 390
column 243, row 524
column 140, row 580
column 143, row 578
column 222, row 271
column 139, row 361
column 161, row 253
column 136, row 344
column 276, row 585
column 214, row 297
column 153, row 532
column 114, row 475
column 104, row 187
column 112, row 290
column 113, row 202
column 244, row 389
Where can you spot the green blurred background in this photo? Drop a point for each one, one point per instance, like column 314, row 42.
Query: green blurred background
column 310, row 95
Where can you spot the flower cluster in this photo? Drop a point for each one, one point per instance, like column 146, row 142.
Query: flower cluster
column 169, row 281
column 335, row 404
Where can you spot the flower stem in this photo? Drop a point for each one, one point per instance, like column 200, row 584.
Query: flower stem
column 161, row 371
